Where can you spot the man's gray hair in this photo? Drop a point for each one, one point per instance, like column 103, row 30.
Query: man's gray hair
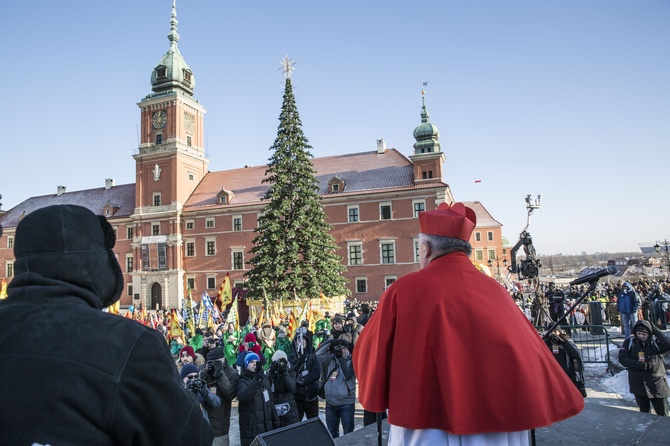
column 445, row 245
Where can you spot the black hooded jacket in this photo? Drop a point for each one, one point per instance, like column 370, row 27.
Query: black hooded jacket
column 644, row 361
column 71, row 373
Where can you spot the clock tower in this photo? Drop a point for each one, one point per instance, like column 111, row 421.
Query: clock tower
column 169, row 164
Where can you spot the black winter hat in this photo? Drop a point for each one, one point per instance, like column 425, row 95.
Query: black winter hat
column 70, row 244
column 642, row 325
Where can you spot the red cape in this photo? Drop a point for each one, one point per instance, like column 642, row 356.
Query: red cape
column 447, row 348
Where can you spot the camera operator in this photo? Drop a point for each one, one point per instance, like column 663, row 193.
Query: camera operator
column 221, row 380
column 566, row 353
column 339, row 384
column 308, row 371
column 257, row 412
column 282, row 382
column 190, row 377
column 556, row 299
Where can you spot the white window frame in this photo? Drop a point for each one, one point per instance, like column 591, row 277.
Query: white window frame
column 491, row 253
column 209, row 240
column 210, row 222
column 414, row 203
column 362, row 278
column 416, row 245
column 358, row 214
column 154, row 196
column 10, row 241
column 383, row 242
column 489, row 236
column 234, row 251
column 9, row 269
column 386, row 281
column 188, row 242
column 479, row 255
column 478, row 236
column 155, row 225
column 390, row 205
column 130, row 232
column 189, row 225
column 129, row 257
column 351, row 245
column 190, row 279
column 236, row 217
column 211, row 277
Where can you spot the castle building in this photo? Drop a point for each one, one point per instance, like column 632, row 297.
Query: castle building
column 181, row 226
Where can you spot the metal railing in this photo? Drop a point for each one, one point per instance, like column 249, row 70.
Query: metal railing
column 592, row 341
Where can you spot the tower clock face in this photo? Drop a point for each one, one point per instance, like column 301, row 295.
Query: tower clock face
column 159, row 119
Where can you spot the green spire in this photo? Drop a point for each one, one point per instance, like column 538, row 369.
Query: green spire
column 426, row 134
column 172, row 73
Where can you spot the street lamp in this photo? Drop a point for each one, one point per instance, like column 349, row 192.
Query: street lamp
column 663, row 246
column 497, row 260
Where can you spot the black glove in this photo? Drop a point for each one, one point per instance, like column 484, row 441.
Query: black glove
column 218, row 374
column 210, row 368
column 204, row 391
column 282, row 366
column 259, row 372
column 274, row 367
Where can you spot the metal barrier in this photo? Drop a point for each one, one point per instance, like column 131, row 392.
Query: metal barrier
column 592, row 341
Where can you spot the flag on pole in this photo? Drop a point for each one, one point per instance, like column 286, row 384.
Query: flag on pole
column 292, row 324
column 3, row 290
column 175, row 329
column 225, row 294
column 189, row 320
column 232, row 315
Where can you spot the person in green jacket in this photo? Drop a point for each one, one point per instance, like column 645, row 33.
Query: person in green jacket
column 322, row 328
column 230, row 350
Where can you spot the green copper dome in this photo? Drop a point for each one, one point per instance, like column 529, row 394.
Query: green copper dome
column 172, row 73
column 426, row 134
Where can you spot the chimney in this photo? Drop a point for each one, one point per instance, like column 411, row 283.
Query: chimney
column 109, row 183
column 60, row 190
column 381, row 146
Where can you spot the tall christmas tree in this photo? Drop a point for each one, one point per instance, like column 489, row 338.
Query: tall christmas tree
column 293, row 253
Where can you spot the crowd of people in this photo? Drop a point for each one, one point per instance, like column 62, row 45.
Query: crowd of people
column 124, row 384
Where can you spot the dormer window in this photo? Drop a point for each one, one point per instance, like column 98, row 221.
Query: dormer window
column 225, row 196
column 336, row 185
column 161, row 72
column 110, row 209
column 187, row 76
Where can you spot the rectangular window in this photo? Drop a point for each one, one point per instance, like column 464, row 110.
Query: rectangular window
column 361, row 284
column 416, row 250
column 211, row 247
column 159, row 139
column 492, row 253
column 10, row 242
column 191, row 177
column 156, row 229
column 388, row 280
column 190, row 224
column 478, row 236
column 209, row 223
column 188, row 141
column 355, row 254
column 211, row 282
column 238, row 259
column 419, row 206
column 387, row 252
column 190, row 249
column 237, row 223
column 385, row 211
column 353, row 214
column 190, row 283
column 489, row 236
column 130, row 290
column 130, row 232
column 479, row 254
column 9, row 270
column 129, row 264
column 157, row 199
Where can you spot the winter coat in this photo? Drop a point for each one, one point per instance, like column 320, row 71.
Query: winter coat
column 79, row 375
column 566, row 353
column 257, row 414
column 308, row 371
column 224, row 387
column 648, row 377
column 628, row 302
column 199, row 362
column 282, row 383
column 338, row 377
column 230, row 352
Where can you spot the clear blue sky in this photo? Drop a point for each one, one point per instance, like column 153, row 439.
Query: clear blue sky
column 569, row 99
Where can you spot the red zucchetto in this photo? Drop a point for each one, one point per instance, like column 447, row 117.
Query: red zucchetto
column 456, row 221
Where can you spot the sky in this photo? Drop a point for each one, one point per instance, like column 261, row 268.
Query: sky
column 565, row 99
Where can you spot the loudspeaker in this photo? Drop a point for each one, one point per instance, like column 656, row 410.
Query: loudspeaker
column 311, row 432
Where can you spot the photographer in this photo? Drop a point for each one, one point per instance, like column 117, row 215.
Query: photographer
column 221, row 379
column 308, row 371
column 257, row 412
column 339, row 384
column 566, row 353
column 282, row 383
column 207, row 400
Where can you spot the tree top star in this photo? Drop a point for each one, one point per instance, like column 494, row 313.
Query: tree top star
column 287, row 66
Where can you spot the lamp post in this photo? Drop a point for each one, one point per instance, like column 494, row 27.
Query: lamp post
column 497, row 260
column 663, row 246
